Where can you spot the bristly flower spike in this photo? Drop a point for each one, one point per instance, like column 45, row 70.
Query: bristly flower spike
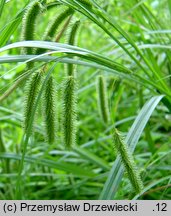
column 29, row 24
column 69, row 112
column 128, row 162
column 53, row 26
column 32, row 89
column 49, row 110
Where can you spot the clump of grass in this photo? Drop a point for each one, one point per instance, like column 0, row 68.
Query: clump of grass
column 32, row 89
column 128, row 162
column 49, row 110
column 69, row 112
column 102, row 98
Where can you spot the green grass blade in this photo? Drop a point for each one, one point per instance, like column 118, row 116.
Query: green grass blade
column 64, row 48
column 116, row 173
column 67, row 167
column 91, row 157
column 169, row 4
column 2, row 146
column 88, row 55
column 10, row 28
column 2, row 6
column 148, row 187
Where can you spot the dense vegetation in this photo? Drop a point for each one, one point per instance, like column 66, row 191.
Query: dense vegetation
column 72, row 71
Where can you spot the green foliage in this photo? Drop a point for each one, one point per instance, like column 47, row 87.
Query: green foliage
column 102, row 98
column 2, row 6
column 2, row 146
column 85, row 2
column 128, row 43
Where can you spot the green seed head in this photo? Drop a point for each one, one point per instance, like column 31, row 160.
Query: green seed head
column 53, row 26
column 50, row 33
column 29, row 24
column 49, row 110
column 128, row 162
column 69, row 111
column 32, row 89
column 72, row 39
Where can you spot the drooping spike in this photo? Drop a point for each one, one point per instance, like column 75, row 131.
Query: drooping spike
column 29, row 24
column 49, row 110
column 52, row 28
column 69, row 112
column 32, row 89
column 128, row 162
